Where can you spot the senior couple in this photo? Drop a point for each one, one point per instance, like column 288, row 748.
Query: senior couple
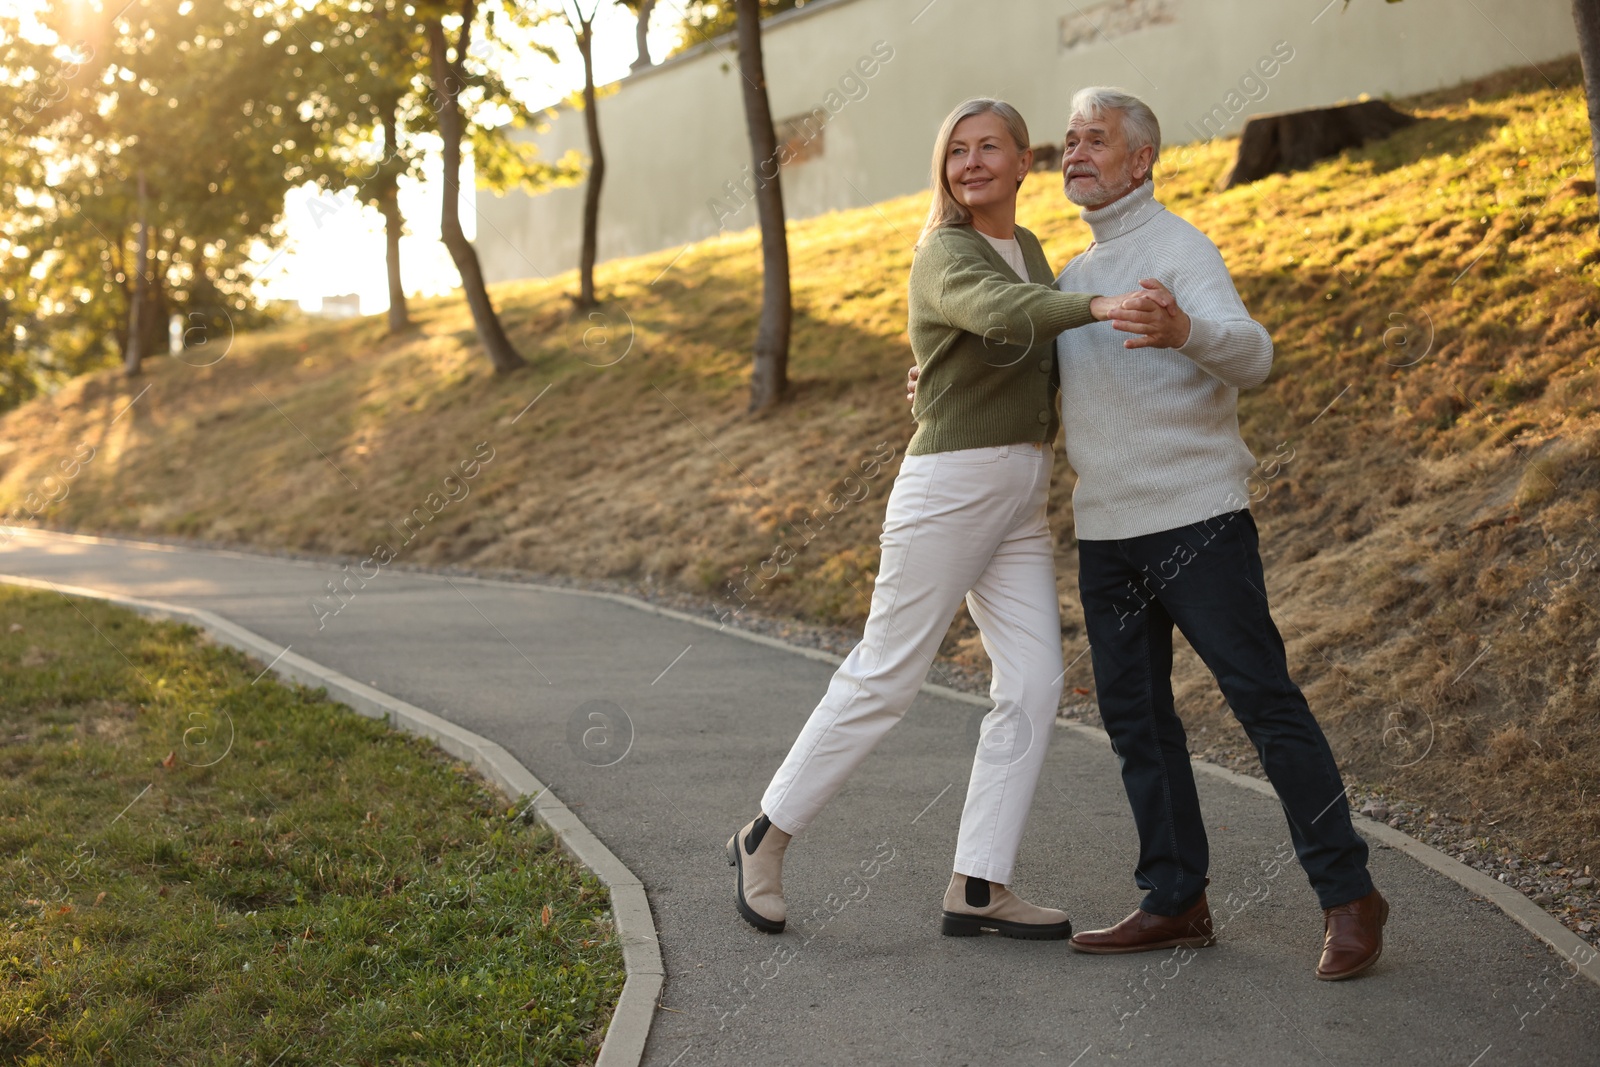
column 1147, row 383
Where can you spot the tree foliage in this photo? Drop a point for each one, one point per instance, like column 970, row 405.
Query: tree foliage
column 703, row 20
column 185, row 95
column 364, row 103
column 217, row 108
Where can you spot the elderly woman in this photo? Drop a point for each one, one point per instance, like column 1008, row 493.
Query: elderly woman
column 966, row 518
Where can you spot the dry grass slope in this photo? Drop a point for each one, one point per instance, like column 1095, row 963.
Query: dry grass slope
column 1432, row 545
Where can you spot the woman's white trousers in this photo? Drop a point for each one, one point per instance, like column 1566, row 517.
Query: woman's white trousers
column 967, row 523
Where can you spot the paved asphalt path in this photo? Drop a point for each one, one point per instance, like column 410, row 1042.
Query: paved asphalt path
column 863, row 975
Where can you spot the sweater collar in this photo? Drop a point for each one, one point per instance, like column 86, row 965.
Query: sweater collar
column 1124, row 215
column 993, row 253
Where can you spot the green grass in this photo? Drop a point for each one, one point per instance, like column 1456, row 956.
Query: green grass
column 200, row 868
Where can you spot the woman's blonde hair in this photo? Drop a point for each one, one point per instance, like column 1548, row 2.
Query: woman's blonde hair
column 945, row 210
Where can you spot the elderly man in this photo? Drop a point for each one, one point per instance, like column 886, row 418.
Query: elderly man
column 1165, row 538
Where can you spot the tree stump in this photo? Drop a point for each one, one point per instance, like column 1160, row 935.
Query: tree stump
column 1294, row 140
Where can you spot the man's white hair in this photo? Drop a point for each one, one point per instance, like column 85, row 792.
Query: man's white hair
column 1138, row 121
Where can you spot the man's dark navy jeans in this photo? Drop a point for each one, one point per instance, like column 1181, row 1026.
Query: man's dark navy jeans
column 1207, row 579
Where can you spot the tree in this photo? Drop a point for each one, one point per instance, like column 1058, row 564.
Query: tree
column 372, row 109
column 583, row 30
column 366, row 109
column 642, row 10
column 449, row 79
column 160, row 124
column 769, row 379
column 501, row 161
column 1586, row 16
column 141, row 310
column 387, row 188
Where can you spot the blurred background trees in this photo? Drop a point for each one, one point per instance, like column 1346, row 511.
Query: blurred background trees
column 149, row 148
column 143, row 154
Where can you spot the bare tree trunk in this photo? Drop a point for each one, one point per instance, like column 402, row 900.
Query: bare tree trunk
column 120, row 274
column 139, row 306
column 157, row 310
column 597, row 166
column 642, row 35
column 393, row 223
column 1586, row 16
column 447, row 81
column 769, row 380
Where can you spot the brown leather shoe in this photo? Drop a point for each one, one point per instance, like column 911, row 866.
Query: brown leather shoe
column 1142, row 931
column 1353, row 938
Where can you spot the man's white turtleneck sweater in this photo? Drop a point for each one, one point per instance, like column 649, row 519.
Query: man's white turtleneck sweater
column 1154, row 432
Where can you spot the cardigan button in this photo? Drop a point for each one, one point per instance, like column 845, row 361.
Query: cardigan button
column 1044, row 365
column 1044, row 417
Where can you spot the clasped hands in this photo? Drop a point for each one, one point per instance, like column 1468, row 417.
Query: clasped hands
column 1151, row 312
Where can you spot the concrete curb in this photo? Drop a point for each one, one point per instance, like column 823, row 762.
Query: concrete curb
column 641, row 952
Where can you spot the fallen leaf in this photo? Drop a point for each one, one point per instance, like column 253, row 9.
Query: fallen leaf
column 1080, row 691
column 532, row 1004
column 99, row 898
column 16, row 627
column 171, row 760
column 544, row 915
column 162, row 892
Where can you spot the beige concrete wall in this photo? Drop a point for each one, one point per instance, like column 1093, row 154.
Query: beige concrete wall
column 886, row 72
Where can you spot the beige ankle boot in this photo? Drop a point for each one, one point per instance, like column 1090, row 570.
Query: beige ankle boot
column 973, row 905
column 756, row 852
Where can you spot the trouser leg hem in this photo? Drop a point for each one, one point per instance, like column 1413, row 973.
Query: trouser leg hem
column 1000, row 874
column 779, row 818
column 1332, row 898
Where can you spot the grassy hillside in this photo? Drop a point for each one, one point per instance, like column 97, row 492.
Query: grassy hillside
column 1432, row 545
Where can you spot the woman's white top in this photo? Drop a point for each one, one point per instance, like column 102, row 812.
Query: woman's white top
column 1010, row 251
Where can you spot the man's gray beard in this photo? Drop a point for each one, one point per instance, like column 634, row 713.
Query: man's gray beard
column 1100, row 193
